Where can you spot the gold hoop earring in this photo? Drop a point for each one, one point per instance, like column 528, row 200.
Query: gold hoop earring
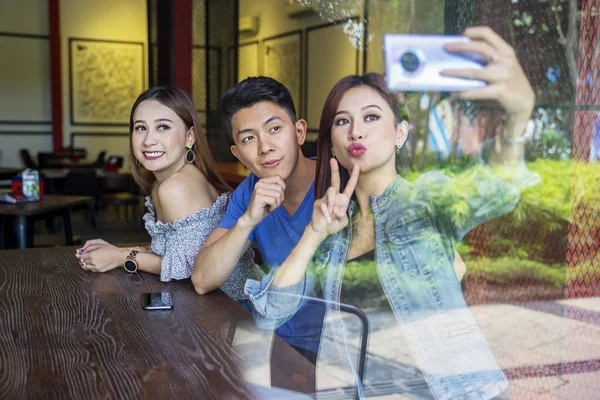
column 190, row 156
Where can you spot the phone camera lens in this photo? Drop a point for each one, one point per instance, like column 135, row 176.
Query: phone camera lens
column 409, row 61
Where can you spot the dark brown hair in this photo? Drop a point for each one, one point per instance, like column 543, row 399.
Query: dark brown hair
column 324, row 154
column 181, row 103
column 254, row 90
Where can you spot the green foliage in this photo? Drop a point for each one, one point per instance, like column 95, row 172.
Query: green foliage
column 361, row 284
column 565, row 185
column 264, row 268
column 451, row 166
column 549, row 144
column 464, row 250
column 585, row 273
column 504, row 270
column 549, row 202
column 586, row 187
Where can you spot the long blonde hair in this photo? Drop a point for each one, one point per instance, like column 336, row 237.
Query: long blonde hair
column 181, row 103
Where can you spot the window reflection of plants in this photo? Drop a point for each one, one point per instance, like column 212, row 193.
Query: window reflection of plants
column 529, row 245
column 553, row 136
column 524, row 248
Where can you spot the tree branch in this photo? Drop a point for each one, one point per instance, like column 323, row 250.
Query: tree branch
column 571, row 42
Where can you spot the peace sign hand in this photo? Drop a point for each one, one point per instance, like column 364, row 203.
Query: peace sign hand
column 330, row 212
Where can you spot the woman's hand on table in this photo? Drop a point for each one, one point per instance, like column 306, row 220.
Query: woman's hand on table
column 100, row 256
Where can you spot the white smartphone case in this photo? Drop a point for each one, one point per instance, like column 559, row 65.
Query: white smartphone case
column 432, row 58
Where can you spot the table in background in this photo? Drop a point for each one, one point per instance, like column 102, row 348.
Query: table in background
column 61, row 173
column 70, row 333
column 233, row 173
column 20, row 217
column 55, row 178
column 8, row 173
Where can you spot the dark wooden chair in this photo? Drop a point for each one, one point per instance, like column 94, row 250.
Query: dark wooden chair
column 27, row 160
column 50, row 160
column 84, row 182
column 119, row 190
column 100, row 161
column 72, row 152
column 69, row 159
column 78, row 182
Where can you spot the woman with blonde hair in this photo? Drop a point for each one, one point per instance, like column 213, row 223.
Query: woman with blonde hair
column 186, row 196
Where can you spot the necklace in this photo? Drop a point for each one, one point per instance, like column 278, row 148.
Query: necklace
column 359, row 222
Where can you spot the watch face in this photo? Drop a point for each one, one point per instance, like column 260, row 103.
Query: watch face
column 130, row 266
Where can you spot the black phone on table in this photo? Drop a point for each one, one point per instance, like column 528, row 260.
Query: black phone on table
column 157, row 301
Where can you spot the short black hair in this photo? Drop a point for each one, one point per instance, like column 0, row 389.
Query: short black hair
column 251, row 91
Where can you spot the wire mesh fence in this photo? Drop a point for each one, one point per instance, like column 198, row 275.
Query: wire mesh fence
column 556, row 43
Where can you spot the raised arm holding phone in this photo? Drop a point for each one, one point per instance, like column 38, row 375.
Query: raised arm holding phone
column 367, row 211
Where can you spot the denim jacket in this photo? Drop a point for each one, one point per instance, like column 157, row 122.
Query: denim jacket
column 417, row 227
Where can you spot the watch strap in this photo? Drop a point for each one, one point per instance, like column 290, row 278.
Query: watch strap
column 131, row 258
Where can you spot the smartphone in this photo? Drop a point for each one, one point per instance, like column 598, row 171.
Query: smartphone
column 157, row 301
column 413, row 64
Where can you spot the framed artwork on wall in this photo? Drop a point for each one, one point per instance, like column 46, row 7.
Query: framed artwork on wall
column 282, row 60
column 105, row 79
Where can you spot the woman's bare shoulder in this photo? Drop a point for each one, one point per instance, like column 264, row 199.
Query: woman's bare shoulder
column 184, row 193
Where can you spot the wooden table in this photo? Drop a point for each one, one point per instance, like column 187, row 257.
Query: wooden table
column 22, row 216
column 233, row 173
column 69, row 333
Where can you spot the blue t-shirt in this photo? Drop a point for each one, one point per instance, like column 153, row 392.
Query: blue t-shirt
column 276, row 236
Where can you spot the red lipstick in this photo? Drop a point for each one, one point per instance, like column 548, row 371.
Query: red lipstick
column 356, row 149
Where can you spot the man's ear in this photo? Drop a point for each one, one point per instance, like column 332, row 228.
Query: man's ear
column 236, row 153
column 301, row 127
column 402, row 132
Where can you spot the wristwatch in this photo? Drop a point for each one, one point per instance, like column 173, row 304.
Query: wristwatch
column 130, row 263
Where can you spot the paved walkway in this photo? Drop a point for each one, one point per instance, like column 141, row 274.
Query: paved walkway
column 549, row 350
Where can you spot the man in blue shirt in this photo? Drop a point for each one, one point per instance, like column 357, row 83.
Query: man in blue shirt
column 273, row 206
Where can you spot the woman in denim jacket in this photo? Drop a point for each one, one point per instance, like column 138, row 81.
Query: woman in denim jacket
column 410, row 227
